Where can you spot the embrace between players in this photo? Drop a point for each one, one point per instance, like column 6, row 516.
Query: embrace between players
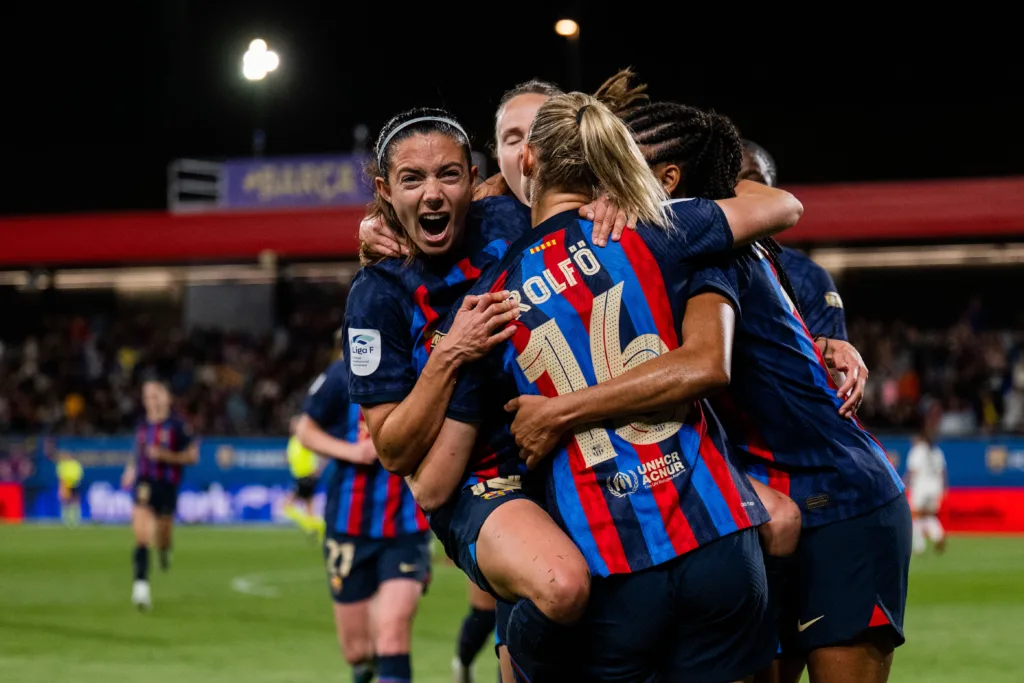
column 636, row 446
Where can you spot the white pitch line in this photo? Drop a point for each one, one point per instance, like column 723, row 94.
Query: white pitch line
column 253, row 584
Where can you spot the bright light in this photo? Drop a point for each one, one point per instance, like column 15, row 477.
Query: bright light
column 258, row 61
column 567, row 28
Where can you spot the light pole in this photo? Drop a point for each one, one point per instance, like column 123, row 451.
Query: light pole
column 570, row 30
column 257, row 62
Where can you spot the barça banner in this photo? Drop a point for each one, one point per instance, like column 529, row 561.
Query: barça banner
column 247, row 480
column 294, row 182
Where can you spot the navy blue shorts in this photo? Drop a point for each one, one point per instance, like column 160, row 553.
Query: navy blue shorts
column 305, row 488
column 457, row 525
column 850, row 576
column 160, row 496
column 701, row 618
column 357, row 566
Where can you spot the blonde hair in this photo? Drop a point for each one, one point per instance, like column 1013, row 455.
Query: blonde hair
column 581, row 146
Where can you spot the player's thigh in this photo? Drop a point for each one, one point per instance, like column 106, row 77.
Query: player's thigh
column 143, row 523
column 352, row 623
column 479, row 598
column 725, row 631
column 403, row 572
column 396, row 603
column 522, row 553
column 867, row 661
column 852, row 583
column 164, row 528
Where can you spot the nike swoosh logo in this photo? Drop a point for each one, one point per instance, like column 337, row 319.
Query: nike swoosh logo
column 803, row 627
column 406, row 568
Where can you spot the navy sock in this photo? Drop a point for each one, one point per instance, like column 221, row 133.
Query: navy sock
column 362, row 672
column 394, row 669
column 477, row 627
column 535, row 644
column 140, row 560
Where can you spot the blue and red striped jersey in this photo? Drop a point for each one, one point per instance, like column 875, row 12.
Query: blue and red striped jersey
column 781, row 409
column 172, row 434
column 820, row 304
column 394, row 307
column 362, row 500
column 631, row 493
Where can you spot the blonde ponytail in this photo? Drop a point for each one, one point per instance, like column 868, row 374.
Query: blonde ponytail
column 581, row 146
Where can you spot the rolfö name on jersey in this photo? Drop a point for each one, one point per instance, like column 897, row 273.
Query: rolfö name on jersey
column 539, row 288
column 649, row 474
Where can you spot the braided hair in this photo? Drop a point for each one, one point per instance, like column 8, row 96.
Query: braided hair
column 708, row 149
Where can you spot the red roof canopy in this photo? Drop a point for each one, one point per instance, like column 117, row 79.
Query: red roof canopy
column 947, row 210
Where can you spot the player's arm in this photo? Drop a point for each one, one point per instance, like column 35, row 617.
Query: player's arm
column 128, row 476
column 439, row 473
column 697, row 369
column 758, row 211
column 313, row 437
column 405, row 431
column 187, row 456
column 913, row 463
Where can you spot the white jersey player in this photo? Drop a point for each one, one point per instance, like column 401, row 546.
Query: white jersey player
column 927, row 481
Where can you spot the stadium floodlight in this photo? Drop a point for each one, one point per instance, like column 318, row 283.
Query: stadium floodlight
column 567, row 28
column 258, row 61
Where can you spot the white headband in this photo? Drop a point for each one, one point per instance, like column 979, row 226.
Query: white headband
column 451, row 122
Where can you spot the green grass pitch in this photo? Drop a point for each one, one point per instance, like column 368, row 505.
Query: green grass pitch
column 252, row 605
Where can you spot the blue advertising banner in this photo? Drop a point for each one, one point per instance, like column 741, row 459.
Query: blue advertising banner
column 247, row 480
column 294, row 182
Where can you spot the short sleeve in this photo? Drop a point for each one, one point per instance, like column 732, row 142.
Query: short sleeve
column 719, row 276
column 327, row 399
column 701, row 229
column 816, row 293
column 377, row 342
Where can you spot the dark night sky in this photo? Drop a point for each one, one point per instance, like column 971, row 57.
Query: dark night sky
column 101, row 99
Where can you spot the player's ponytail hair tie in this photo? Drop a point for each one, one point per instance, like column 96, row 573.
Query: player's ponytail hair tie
column 405, row 124
column 579, row 114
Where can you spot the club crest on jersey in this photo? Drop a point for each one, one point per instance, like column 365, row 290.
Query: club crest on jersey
column 364, row 351
column 833, row 299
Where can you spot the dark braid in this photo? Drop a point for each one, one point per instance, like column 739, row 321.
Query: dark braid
column 705, row 145
column 708, row 149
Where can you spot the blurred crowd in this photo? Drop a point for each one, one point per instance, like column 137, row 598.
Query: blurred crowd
column 975, row 375
column 81, row 376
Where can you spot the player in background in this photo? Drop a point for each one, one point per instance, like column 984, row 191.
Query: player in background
column 927, row 481
column 69, row 476
column 305, row 469
column 816, row 292
column 377, row 547
column 163, row 447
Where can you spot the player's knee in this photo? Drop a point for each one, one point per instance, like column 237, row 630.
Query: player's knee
column 563, row 598
column 394, row 637
column 781, row 535
column 357, row 649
